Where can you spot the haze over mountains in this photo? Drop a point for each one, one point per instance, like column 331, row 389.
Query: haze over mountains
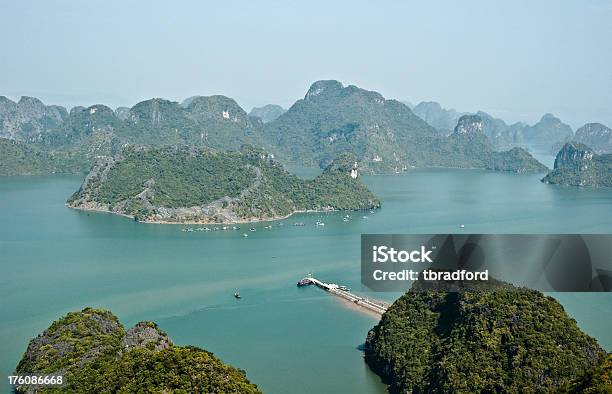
column 385, row 135
column 268, row 112
column 547, row 133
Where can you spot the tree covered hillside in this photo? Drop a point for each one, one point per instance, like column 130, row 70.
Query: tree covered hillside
column 500, row 339
column 385, row 135
column 95, row 354
column 182, row 184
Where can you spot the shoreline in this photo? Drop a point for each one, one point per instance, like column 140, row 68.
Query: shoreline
column 191, row 222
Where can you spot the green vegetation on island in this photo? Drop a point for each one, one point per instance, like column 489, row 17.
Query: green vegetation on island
column 597, row 380
column 469, row 147
column 577, row 165
column 18, row 158
column 384, row 135
column 488, row 338
column 180, row 184
column 95, row 354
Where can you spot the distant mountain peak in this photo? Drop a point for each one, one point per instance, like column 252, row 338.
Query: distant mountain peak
column 549, row 117
column 323, row 86
column 595, row 135
column 268, row 112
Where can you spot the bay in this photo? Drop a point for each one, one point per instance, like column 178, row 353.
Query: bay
column 54, row 260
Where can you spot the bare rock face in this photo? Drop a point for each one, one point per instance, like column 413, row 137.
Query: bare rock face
column 573, row 155
column 146, row 334
column 470, row 125
column 28, row 119
column 577, row 165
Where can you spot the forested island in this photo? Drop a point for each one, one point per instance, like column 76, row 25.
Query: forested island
column 385, row 135
column 488, row 337
column 577, row 165
column 94, row 353
column 190, row 185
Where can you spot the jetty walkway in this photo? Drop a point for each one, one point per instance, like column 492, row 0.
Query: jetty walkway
column 375, row 306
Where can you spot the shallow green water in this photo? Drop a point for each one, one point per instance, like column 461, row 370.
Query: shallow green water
column 54, row 260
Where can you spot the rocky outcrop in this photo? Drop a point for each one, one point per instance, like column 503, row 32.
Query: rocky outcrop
column 574, row 155
column 71, row 343
column 469, row 125
column 595, row 135
column 577, row 165
column 92, row 351
column 29, row 119
column 145, row 334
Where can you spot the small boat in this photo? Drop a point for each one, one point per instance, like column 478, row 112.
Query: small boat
column 319, row 223
column 190, row 230
column 344, row 288
column 206, row 229
column 365, row 217
column 268, row 227
column 237, row 295
column 299, row 224
column 345, row 219
column 235, row 228
column 462, row 226
column 245, row 235
column 252, row 230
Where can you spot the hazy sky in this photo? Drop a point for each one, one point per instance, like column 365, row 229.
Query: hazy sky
column 514, row 59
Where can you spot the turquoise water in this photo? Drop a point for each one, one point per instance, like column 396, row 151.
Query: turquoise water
column 54, row 260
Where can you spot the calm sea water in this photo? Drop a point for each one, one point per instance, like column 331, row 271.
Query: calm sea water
column 54, row 260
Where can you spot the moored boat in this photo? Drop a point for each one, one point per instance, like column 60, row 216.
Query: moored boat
column 304, row 282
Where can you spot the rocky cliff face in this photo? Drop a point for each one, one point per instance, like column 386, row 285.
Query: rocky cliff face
column 469, row 125
column 29, row 119
column 596, row 136
column 577, row 165
column 574, row 155
column 145, row 334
